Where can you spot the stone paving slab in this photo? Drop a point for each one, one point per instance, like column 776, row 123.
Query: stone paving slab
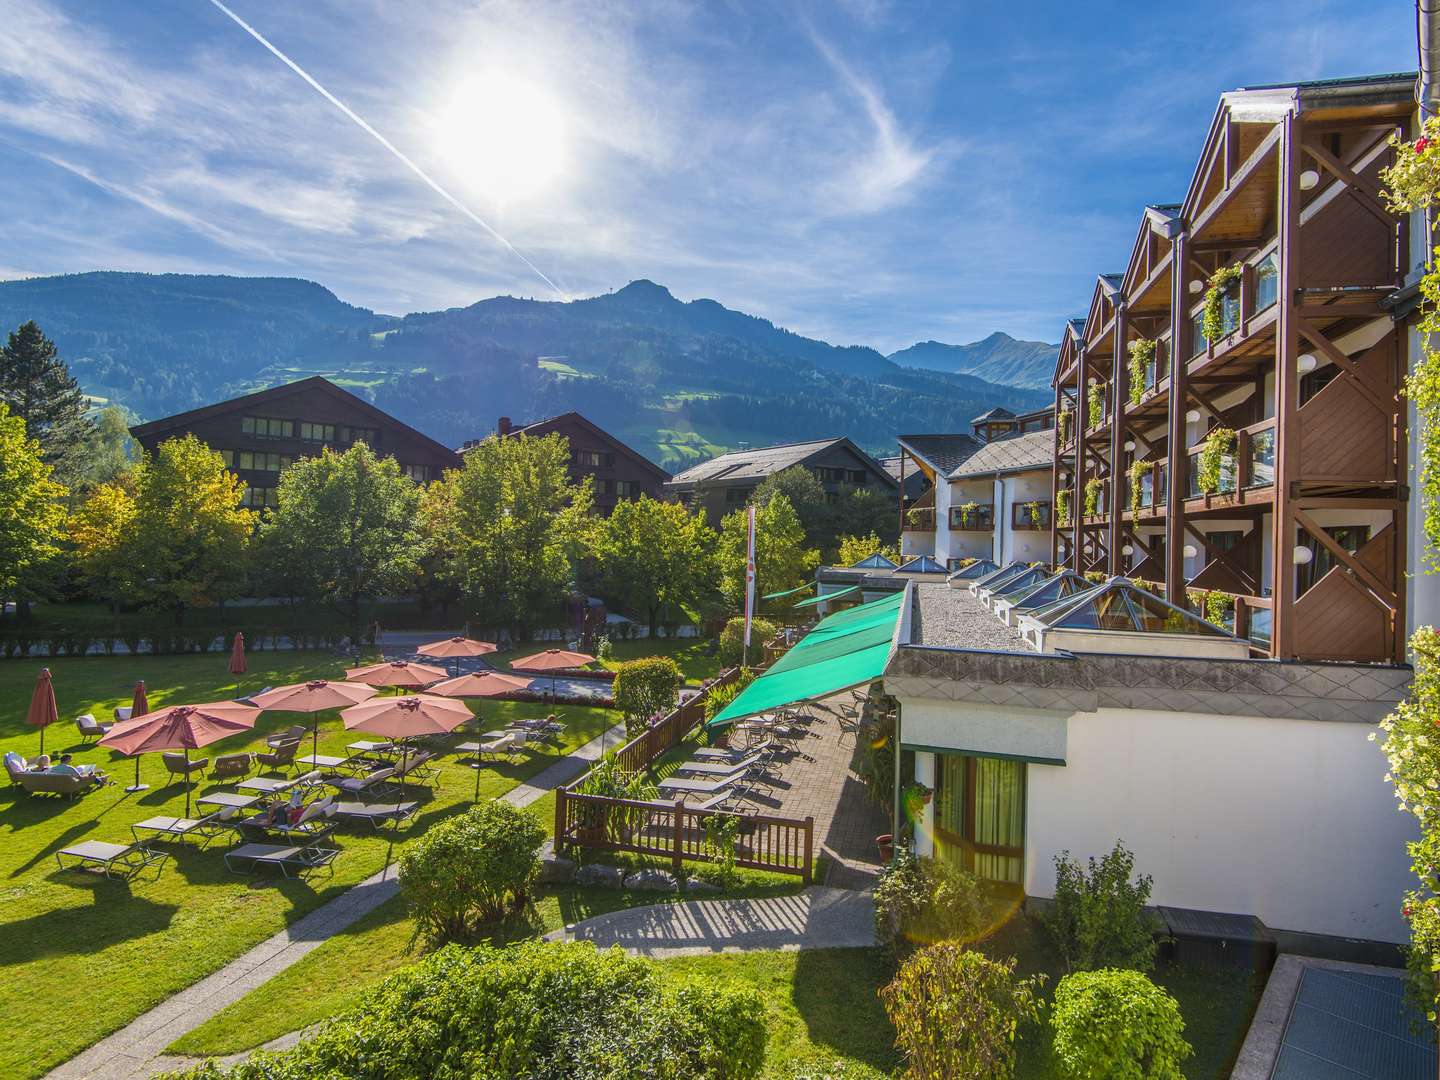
column 817, row 918
column 134, row 1049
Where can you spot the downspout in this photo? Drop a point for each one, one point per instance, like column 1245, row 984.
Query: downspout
column 1000, row 517
column 1427, row 87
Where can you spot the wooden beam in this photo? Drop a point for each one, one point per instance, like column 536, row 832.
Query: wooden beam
column 1375, row 393
column 1239, row 178
column 1119, row 394
column 1360, row 570
column 1353, row 183
column 1175, row 447
column 1287, row 394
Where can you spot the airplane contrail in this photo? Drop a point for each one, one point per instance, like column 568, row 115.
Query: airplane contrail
column 388, row 145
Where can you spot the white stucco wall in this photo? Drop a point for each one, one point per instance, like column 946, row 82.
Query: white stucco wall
column 1289, row 820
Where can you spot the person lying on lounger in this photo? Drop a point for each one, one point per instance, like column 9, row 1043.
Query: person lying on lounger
column 283, row 811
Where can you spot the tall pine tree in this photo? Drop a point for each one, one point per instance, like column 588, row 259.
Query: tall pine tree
column 39, row 389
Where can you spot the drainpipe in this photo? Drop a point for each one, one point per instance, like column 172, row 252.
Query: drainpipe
column 999, row 485
column 1427, row 87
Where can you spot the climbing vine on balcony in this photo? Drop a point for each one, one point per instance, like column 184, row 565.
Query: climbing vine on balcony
column 1137, row 472
column 1063, row 419
column 1093, row 487
column 1219, row 443
column 1095, row 396
column 1212, row 325
column 1142, row 355
column 1062, row 509
column 970, row 515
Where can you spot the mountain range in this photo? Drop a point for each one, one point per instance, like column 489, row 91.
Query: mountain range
column 680, row 381
column 998, row 358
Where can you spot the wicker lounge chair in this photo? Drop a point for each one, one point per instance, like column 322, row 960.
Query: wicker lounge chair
column 177, row 765
column 173, row 828
column 231, row 765
column 48, row 783
column 294, row 733
column 280, row 756
column 112, row 860
column 300, row 860
column 90, row 728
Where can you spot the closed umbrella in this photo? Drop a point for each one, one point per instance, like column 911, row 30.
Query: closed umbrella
column 552, row 660
column 456, row 647
column 237, row 659
column 181, row 727
column 139, row 706
column 42, row 712
column 482, row 684
column 313, row 697
column 398, row 673
column 406, row 717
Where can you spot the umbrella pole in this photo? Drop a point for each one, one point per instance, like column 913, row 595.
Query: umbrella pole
column 187, row 780
column 137, row 786
column 42, row 740
column 477, row 778
column 314, row 737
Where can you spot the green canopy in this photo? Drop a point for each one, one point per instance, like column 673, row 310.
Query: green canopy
column 788, row 592
column 845, row 650
column 825, row 597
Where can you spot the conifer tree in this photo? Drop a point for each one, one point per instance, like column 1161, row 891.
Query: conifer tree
column 39, row 389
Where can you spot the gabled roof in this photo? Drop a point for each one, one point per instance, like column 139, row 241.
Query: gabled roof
column 533, row 428
column 999, row 412
column 753, row 466
column 275, row 393
column 978, row 569
column 1113, row 281
column 943, row 453
column 1008, row 454
column 1050, row 591
column 921, row 564
column 873, row 562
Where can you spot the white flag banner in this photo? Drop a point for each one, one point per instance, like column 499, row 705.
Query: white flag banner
column 749, row 571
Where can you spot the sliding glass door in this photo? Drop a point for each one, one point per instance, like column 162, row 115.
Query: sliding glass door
column 980, row 815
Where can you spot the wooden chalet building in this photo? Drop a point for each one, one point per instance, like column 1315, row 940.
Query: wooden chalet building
column 260, row 434
column 618, row 471
column 1305, row 525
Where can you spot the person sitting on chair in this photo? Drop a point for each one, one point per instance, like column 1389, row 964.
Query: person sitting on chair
column 66, row 767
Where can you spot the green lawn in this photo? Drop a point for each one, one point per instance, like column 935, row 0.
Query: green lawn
column 65, row 935
column 695, row 656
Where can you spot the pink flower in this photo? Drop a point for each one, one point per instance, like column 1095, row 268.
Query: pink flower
column 1420, row 144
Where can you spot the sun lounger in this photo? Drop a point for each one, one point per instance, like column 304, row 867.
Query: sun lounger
column 228, row 799
column 721, row 768
column 272, row 785
column 416, row 769
column 700, row 787
column 311, row 824
column 112, row 860
column 301, row 860
column 377, row 782
column 207, row 827
column 377, row 814
column 503, row 745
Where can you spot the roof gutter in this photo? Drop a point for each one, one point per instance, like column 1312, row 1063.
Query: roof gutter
column 1427, row 87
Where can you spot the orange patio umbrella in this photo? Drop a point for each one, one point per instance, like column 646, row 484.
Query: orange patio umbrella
column 313, row 697
column 139, row 706
column 482, row 684
column 396, row 673
column 237, row 658
column 181, row 727
column 552, row 660
column 43, row 711
column 405, row 717
column 456, row 647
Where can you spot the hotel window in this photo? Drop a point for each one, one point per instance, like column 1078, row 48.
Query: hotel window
column 324, row 433
column 594, row 459
column 859, row 477
column 264, row 427
column 351, row 435
column 258, row 497
column 980, row 816
column 605, row 487
column 1350, row 537
column 256, row 460
column 737, row 494
column 627, row 489
column 419, row 473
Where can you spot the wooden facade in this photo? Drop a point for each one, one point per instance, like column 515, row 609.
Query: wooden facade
column 1306, row 526
column 259, row 434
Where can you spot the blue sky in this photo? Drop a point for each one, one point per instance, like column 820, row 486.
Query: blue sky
column 859, row 170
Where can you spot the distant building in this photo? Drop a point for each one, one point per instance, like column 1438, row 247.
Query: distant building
column 988, row 494
column 259, row 434
column 619, row 472
column 724, row 483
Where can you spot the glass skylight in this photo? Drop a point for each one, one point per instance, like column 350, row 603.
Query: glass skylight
column 1050, row 591
column 1120, row 604
column 978, row 569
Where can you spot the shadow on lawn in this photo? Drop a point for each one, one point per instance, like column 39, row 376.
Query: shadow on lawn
column 116, row 916
column 834, row 991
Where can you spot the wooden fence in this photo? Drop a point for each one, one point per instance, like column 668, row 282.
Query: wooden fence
column 672, row 830
column 676, row 832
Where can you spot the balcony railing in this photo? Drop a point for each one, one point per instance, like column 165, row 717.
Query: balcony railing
column 920, row 519
column 1030, row 515
column 1251, row 465
column 973, row 517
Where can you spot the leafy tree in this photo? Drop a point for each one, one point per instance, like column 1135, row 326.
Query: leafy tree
column 111, row 450
column 190, row 538
column 518, row 527
column 645, row 687
column 1098, row 919
column 469, row 870
column 31, row 516
column 732, row 640
column 100, row 531
column 1117, row 1024
column 807, row 496
column 346, row 529
column 854, row 549
column 956, row 1013
column 867, row 510
column 40, row 390
column 653, row 555
column 782, row 560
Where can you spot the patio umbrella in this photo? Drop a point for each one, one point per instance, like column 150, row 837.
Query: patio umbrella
column 237, row 659
column 139, row 706
column 482, row 684
column 456, row 647
column 42, row 712
column 181, row 727
column 405, row 717
column 398, row 673
column 313, row 697
column 552, row 660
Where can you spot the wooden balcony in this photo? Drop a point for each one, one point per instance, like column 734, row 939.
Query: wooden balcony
column 972, row 517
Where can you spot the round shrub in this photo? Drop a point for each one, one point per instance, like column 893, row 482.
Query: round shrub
column 732, row 640
column 541, row 1010
column 645, row 687
column 920, row 901
column 957, row 1013
column 470, row 869
column 1117, row 1025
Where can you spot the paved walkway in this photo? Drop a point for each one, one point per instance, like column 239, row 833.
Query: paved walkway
column 134, row 1050
column 817, row 918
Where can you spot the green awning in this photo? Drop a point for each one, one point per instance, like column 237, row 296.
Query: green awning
column 824, row 597
column 788, row 592
column 845, row 650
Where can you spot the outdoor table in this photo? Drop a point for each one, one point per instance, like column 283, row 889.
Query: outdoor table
column 386, row 749
column 324, row 761
column 228, row 798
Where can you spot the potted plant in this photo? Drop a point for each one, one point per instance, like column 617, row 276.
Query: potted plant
column 914, row 799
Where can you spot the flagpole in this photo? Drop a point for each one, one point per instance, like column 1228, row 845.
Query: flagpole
column 749, row 582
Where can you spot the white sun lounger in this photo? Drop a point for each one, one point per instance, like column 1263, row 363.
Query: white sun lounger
column 112, row 860
column 377, row 814
column 299, row 859
column 207, row 827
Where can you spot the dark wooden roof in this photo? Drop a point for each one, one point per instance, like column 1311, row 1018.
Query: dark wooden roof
column 551, row 422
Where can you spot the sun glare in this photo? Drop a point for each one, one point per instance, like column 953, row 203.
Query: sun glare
column 504, row 137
